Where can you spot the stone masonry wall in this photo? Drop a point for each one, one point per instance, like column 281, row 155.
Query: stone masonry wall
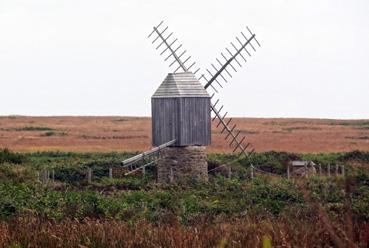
column 178, row 164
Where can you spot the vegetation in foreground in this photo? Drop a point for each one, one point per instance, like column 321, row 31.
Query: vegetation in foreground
column 134, row 211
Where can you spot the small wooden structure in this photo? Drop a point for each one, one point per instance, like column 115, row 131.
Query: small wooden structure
column 181, row 111
column 303, row 168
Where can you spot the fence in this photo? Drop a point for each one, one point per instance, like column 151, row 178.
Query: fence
column 306, row 171
column 331, row 170
column 337, row 170
column 48, row 176
column 87, row 174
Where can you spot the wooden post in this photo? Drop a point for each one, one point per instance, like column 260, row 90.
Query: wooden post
column 336, row 170
column 306, row 170
column 288, row 172
column 110, row 173
column 343, row 170
column 252, row 172
column 171, row 176
column 47, row 176
column 89, row 175
column 329, row 170
column 44, row 177
column 320, row 170
column 53, row 176
column 143, row 172
column 229, row 172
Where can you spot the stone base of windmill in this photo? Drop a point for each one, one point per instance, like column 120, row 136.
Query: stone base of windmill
column 182, row 165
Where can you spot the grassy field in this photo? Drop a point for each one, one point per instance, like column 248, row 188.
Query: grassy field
column 135, row 211
column 267, row 210
column 104, row 134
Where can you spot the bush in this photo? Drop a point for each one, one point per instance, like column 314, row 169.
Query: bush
column 48, row 133
column 70, row 174
column 6, row 156
column 356, row 156
column 7, row 208
column 274, row 197
column 32, row 128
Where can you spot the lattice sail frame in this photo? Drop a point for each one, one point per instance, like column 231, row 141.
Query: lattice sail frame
column 171, row 50
column 214, row 73
column 218, row 75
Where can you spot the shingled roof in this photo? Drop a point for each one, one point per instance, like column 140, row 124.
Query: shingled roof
column 183, row 84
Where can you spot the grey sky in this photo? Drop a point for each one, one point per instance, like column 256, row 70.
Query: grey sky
column 88, row 57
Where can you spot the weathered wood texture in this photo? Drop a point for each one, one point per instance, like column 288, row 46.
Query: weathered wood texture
column 185, row 119
column 181, row 111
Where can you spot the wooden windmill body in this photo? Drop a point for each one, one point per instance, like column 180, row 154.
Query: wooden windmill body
column 180, row 110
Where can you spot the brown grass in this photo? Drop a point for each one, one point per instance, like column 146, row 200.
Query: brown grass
column 36, row 232
column 133, row 133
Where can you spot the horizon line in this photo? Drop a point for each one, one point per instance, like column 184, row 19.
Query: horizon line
column 146, row 116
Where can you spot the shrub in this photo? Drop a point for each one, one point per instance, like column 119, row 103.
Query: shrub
column 32, row 128
column 48, row 133
column 274, row 197
column 6, row 156
column 356, row 156
column 70, row 174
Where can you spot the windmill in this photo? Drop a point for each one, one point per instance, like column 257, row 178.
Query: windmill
column 182, row 105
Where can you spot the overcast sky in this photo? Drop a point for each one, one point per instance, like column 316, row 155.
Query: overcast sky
column 88, row 57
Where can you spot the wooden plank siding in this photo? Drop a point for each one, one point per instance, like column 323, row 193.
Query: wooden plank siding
column 186, row 119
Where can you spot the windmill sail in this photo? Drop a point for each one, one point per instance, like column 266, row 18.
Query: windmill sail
column 219, row 74
column 234, row 136
column 132, row 163
column 171, row 49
